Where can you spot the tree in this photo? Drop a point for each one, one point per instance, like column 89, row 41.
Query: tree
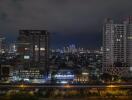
column 106, row 77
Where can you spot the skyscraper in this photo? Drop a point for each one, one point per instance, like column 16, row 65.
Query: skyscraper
column 33, row 48
column 2, row 44
column 117, row 48
column 128, row 23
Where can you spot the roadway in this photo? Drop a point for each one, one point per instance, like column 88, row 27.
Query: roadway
column 63, row 86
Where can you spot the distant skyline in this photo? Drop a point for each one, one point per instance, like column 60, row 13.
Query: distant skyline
column 69, row 21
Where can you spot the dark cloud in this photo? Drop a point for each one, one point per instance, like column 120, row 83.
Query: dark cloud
column 69, row 18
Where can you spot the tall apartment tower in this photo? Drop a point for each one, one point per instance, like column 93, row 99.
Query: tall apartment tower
column 128, row 23
column 33, row 48
column 117, row 47
column 108, row 35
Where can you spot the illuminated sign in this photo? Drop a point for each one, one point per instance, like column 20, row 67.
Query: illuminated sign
column 64, row 76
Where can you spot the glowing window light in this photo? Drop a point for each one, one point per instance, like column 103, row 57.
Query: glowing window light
column 130, row 37
column 42, row 49
column 26, row 57
column 84, row 73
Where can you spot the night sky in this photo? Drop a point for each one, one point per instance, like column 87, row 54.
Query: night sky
column 69, row 21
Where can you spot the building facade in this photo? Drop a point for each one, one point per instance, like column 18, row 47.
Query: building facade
column 33, row 48
column 117, row 47
column 2, row 44
column 128, row 23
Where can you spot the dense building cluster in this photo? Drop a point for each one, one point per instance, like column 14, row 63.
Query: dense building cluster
column 31, row 60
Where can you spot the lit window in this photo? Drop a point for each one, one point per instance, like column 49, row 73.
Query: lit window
column 42, row 49
column 118, row 40
column 26, row 57
column 26, row 48
column 107, row 49
column 36, row 46
column 130, row 37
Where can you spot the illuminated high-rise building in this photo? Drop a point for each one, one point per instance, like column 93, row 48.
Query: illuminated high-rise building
column 12, row 48
column 33, row 48
column 2, row 44
column 128, row 23
column 117, row 47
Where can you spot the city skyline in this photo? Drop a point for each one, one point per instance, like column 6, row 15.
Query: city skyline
column 69, row 22
column 65, row 49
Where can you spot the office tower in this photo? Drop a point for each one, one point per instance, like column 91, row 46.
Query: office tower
column 115, row 48
column 72, row 48
column 12, row 48
column 33, row 48
column 2, row 44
